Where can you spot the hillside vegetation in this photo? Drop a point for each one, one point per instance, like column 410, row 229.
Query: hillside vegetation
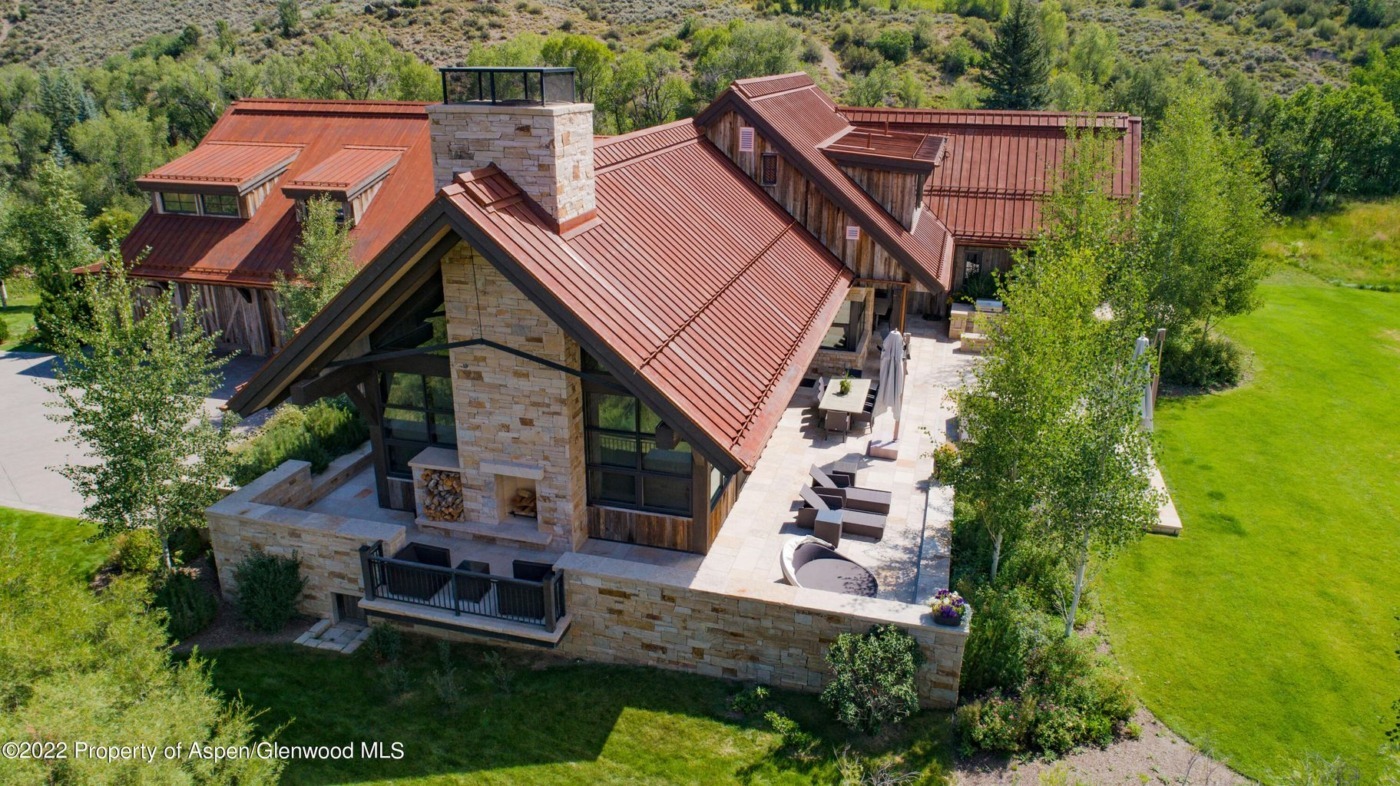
column 1285, row 43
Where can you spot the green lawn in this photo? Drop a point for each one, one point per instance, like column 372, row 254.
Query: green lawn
column 19, row 315
column 1267, row 630
column 567, row 723
column 62, row 541
column 1359, row 244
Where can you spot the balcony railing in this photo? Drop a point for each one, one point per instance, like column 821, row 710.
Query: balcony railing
column 462, row 592
column 507, row 85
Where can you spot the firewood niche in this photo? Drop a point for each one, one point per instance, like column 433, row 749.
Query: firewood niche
column 442, row 495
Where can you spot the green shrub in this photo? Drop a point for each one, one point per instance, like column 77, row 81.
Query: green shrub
column 894, row 45
column 946, row 461
column 384, row 643
column 316, row 434
column 1209, row 363
column 993, row 724
column 4, row 331
column 749, row 701
column 1008, row 628
column 187, row 544
column 1065, row 700
column 138, row 551
column 189, row 606
column 874, row 684
column 269, row 587
column 796, row 743
column 982, row 285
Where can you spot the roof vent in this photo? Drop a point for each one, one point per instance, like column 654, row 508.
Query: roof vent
column 517, row 86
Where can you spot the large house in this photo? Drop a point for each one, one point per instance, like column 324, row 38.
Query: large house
column 224, row 218
column 595, row 371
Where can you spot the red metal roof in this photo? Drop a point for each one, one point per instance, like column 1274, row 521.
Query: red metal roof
column 799, row 119
column 694, row 276
column 221, row 167
column 1000, row 164
column 347, row 172
column 893, row 149
column 250, row 252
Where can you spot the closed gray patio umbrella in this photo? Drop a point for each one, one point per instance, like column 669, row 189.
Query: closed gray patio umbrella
column 891, row 394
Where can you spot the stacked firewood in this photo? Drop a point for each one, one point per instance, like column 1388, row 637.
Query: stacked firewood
column 523, row 504
column 442, row 495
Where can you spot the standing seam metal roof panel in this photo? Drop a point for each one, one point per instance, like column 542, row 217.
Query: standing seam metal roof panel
column 693, row 275
column 250, row 252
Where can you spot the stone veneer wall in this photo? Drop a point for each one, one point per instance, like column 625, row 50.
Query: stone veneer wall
column 546, row 150
column 267, row 515
column 510, row 409
column 624, row 612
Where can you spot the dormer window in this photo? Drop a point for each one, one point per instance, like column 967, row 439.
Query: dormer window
column 181, row 204
column 220, row 179
column 351, row 176
column 220, row 205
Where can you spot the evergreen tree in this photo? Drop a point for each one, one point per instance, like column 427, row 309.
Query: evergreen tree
column 1017, row 72
column 48, row 234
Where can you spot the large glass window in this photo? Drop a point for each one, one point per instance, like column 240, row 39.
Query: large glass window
column 220, row 205
column 187, row 204
column 845, row 331
column 417, row 415
column 634, row 460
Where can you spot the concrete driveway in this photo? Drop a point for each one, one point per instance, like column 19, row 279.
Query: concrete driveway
column 32, row 446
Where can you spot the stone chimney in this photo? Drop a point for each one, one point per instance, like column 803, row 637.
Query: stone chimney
column 527, row 123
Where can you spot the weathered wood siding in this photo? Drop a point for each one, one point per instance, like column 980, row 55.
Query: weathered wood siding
column 806, row 202
column 240, row 318
column 643, row 529
column 900, row 193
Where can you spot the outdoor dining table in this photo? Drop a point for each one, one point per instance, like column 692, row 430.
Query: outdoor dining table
column 853, row 403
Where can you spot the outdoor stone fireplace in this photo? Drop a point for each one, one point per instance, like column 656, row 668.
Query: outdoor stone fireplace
column 516, row 493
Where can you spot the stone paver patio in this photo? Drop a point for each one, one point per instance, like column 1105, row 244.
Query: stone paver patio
column 344, row 637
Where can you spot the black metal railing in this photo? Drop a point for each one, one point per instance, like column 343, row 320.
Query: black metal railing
column 507, row 85
column 539, row 603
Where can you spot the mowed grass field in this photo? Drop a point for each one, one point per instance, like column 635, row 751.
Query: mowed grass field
column 528, row 721
column 19, row 314
column 60, row 543
column 1268, row 630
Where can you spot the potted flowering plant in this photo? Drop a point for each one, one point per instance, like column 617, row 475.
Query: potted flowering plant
column 948, row 607
column 844, row 386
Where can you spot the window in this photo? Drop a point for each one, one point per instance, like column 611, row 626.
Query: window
column 634, row 460
column 185, row 204
column 846, row 330
column 417, row 414
column 718, row 483
column 220, row 205
column 770, row 169
column 972, row 264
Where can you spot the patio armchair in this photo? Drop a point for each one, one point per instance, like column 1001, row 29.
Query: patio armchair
column 521, row 602
column 407, row 582
column 851, row 497
column 471, row 589
column 837, row 421
column 853, row 521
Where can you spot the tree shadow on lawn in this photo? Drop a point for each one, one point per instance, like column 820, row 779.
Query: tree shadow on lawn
column 620, row 723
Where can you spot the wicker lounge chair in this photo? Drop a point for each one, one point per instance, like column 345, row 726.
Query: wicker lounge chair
column 854, row 522
column 851, row 497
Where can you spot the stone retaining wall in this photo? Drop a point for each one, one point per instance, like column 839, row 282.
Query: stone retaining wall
column 266, row 515
column 625, row 612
